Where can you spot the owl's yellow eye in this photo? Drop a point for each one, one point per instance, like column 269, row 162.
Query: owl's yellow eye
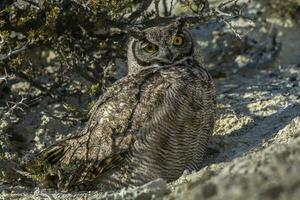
column 150, row 48
column 178, row 40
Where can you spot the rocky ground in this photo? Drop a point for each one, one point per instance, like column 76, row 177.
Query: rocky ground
column 254, row 152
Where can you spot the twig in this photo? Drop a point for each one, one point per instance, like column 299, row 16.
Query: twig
column 233, row 6
column 205, row 15
column 12, row 52
column 166, row 13
column 192, row 19
column 4, row 78
column 1, row 41
column 142, row 7
column 171, row 7
column 232, row 28
column 156, row 5
column 76, row 67
column 32, row 3
column 15, row 106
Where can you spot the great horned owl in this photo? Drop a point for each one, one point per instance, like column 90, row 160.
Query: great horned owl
column 153, row 123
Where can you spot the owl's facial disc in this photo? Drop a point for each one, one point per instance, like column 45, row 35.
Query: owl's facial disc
column 163, row 47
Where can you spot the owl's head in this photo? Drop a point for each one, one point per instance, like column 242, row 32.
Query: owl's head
column 160, row 45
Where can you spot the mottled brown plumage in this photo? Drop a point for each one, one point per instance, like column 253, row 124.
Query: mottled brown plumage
column 153, row 123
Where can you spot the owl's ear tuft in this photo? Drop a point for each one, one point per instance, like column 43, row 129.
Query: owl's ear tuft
column 136, row 33
column 180, row 22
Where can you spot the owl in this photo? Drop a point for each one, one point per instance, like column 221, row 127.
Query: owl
column 153, row 123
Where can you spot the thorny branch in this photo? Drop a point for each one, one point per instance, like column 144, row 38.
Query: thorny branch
column 6, row 120
column 225, row 9
column 4, row 78
column 156, row 3
column 232, row 6
column 32, row 3
column 224, row 12
column 137, row 13
column 12, row 106
column 13, row 52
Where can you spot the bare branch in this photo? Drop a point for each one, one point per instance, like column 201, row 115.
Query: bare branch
column 225, row 11
column 12, row 52
column 12, row 106
column 235, row 32
column 232, row 7
column 32, row 3
column 191, row 19
column 76, row 67
column 1, row 41
column 165, row 7
column 4, row 78
column 171, row 7
column 156, row 5
column 232, row 28
column 142, row 7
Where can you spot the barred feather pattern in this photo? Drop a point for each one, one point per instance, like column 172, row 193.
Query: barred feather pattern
column 153, row 123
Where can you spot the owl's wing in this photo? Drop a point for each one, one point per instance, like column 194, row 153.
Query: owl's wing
column 51, row 169
column 104, row 142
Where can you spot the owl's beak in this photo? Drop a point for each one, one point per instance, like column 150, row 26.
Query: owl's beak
column 165, row 56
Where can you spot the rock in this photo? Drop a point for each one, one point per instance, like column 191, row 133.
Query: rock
column 151, row 190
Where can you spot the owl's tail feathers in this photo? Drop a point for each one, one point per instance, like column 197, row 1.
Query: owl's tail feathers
column 53, row 154
column 50, row 156
column 36, row 170
column 44, row 168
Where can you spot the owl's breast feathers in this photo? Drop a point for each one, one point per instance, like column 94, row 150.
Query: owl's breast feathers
column 115, row 120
